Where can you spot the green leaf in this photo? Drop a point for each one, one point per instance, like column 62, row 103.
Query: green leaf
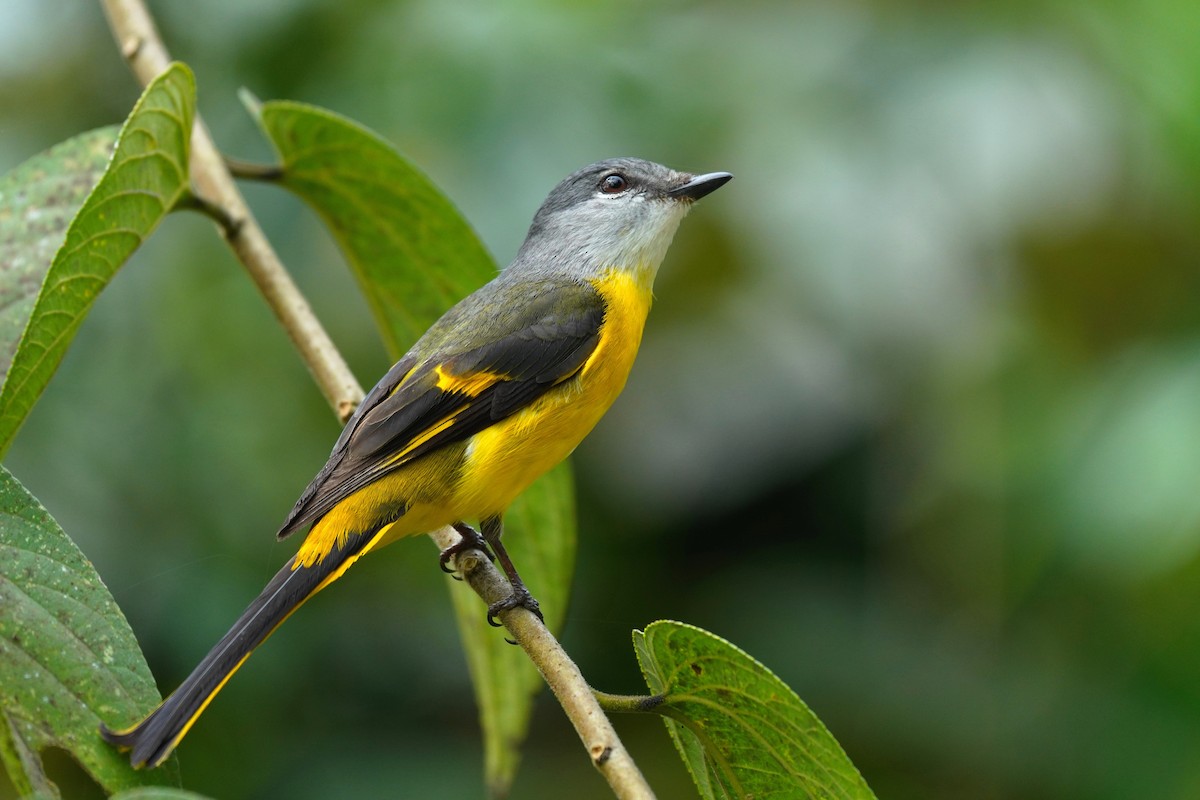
column 144, row 179
column 23, row 765
column 742, row 732
column 415, row 256
column 68, row 659
column 38, row 200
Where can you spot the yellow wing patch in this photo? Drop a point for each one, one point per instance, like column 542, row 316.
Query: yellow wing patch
column 471, row 384
column 424, row 436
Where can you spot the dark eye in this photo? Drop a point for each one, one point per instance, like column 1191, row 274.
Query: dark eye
column 613, row 183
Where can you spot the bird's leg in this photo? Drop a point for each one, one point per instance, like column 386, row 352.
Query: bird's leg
column 471, row 540
column 493, row 528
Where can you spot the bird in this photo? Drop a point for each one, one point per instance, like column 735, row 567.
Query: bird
column 497, row 391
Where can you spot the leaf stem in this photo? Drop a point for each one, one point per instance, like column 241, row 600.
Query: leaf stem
column 628, row 703
column 190, row 201
column 250, row 170
column 142, row 47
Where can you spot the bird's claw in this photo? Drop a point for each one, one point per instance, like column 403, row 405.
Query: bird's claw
column 470, row 540
column 520, row 597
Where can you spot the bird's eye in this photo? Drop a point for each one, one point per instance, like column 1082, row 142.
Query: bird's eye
column 613, row 183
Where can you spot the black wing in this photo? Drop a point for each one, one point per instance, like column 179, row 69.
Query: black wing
column 422, row 404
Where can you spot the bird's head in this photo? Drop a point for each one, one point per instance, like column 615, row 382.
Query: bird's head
column 615, row 214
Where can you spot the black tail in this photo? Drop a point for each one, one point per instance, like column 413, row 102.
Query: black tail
column 153, row 739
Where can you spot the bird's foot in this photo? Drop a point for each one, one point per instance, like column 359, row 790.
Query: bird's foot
column 521, row 598
column 471, row 540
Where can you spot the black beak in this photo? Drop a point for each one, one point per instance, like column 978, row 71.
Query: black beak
column 701, row 185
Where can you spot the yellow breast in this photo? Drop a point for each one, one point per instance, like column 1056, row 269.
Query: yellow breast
column 504, row 459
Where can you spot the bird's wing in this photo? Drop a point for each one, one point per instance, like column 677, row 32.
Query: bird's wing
column 424, row 403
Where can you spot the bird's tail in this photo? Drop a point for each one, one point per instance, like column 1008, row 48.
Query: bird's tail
column 153, row 739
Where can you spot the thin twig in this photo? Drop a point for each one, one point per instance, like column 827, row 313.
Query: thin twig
column 563, row 677
column 142, row 47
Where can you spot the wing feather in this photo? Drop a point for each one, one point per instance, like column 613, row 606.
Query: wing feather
column 423, row 404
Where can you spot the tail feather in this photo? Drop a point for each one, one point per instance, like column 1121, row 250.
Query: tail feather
column 152, row 740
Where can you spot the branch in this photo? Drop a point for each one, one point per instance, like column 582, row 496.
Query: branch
column 217, row 195
column 143, row 48
column 563, row 677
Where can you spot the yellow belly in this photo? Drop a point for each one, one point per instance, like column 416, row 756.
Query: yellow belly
column 481, row 477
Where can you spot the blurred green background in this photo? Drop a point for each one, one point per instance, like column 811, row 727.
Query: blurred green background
column 916, row 421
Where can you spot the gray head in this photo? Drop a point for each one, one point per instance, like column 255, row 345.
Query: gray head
column 615, row 214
